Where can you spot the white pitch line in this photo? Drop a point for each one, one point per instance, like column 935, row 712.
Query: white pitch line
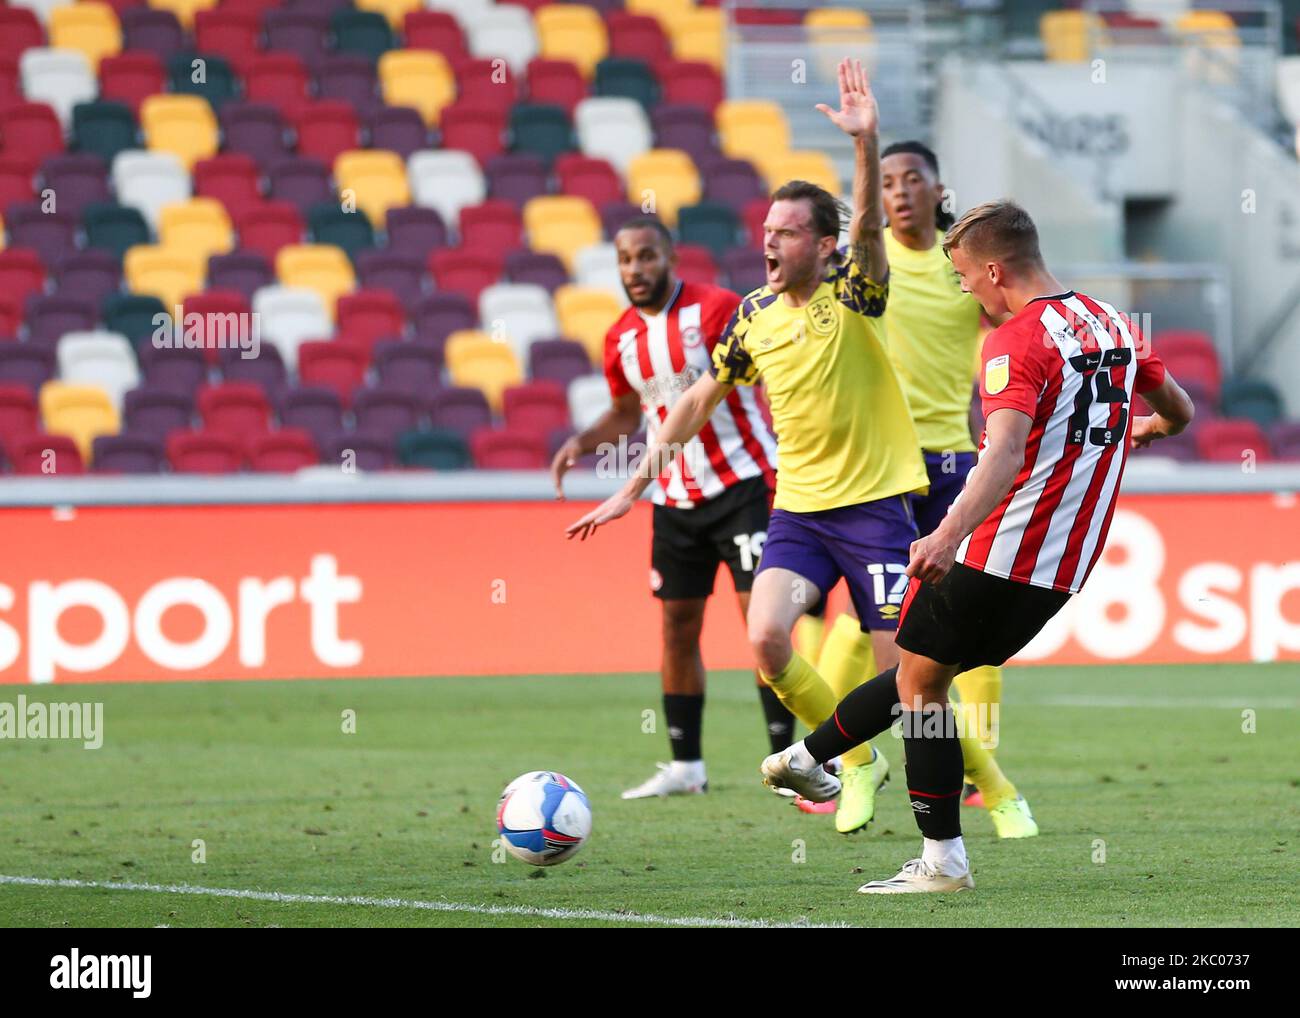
column 1161, row 702
column 287, row 898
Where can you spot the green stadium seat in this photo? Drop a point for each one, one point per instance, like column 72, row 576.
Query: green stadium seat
column 132, row 315
column 628, row 79
column 433, row 449
column 103, row 129
column 112, row 227
column 709, row 224
column 1252, row 399
column 351, row 231
column 218, row 85
column 366, row 33
column 541, row 129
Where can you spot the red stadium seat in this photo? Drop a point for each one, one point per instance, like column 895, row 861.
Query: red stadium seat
column 695, row 264
column 19, row 30
column 238, row 409
column 283, row 451
column 478, row 83
column 11, row 315
column 11, row 89
column 537, row 408
column 478, row 130
column 507, row 450
column 18, row 412
column 326, row 128
column 435, row 30
column 367, row 316
column 222, row 303
column 690, row 83
column 337, row 366
column 131, row 77
column 590, row 178
column 202, row 452
column 269, row 227
column 491, row 226
column 21, row 273
column 233, row 179
column 767, row 16
column 1228, row 441
column 465, row 272
column 753, row 215
column 277, row 79
column 556, row 83
column 16, row 181
column 38, row 455
column 230, row 34
column 31, row 132
column 638, row 36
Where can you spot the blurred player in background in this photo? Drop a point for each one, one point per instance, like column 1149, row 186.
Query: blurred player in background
column 933, row 331
column 711, row 503
column 1057, row 381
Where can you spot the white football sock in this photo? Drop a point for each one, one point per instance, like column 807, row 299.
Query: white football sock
column 947, row 857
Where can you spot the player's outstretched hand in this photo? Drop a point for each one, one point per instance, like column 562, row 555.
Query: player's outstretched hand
column 857, row 114
column 932, row 558
column 1145, row 431
column 565, row 457
column 614, row 507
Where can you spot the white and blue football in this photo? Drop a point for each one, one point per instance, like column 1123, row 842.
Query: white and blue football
column 543, row 818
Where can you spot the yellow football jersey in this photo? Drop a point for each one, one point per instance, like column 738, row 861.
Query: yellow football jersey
column 844, row 434
column 933, row 333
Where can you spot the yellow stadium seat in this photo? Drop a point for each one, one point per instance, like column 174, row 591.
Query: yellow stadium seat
column 418, row 78
column 81, row 412
column 476, row 360
column 561, row 225
column 1214, row 49
column 183, row 9
column 376, row 178
column 183, row 125
column 573, row 32
column 700, row 34
column 323, row 268
column 168, row 273
column 662, row 181
column 753, row 129
column 803, row 164
column 664, row 11
column 394, row 10
column 834, row 18
column 90, row 28
column 200, row 224
column 1068, row 36
column 585, row 313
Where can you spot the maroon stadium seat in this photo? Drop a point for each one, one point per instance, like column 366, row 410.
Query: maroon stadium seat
column 387, row 410
column 349, row 77
column 401, row 275
column 590, row 178
column 131, row 77
column 326, row 128
column 491, row 226
column 507, row 450
column 365, row 316
column 303, row 182
column 230, row 34
column 435, row 30
column 478, row 82
column 283, row 451
column 79, row 179
column 255, row 128
column 440, row 314
column 544, row 270
column 269, row 227
column 314, row 409
column 30, row 455
column 28, row 364
column 16, row 181
column 21, row 273
column 242, row 270
column 301, row 31
column 398, row 129
column 558, row 360
column 465, row 272
column 536, row 408
column 277, row 79
column 638, row 36
column 128, row 454
column 690, row 83
column 1226, row 441
column 233, row 179
column 11, row 316
column 202, row 452
column 238, row 409
column 19, row 30
column 478, row 130
column 460, row 409
column 18, row 412
column 49, row 316
column 556, row 83
column 1284, row 439
column 414, row 231
column 266, row 370
column 218, row 302
column 157, row 411
column 695, row 264
column 31, row 132
column 363, row 450
column 337, row 366
column 173, row 368
column 155, row 31
column 91, row 273
column 411, row 367
column 516, row 177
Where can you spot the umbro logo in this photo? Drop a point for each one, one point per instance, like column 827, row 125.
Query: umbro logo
column 920, row 807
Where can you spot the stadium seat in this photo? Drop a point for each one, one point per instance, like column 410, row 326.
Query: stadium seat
column 480, row 82
column 76, row 180
column 585, row 314
column 688, row 128
column 49, row 317
column 303, row 181
column 350, row 78
column 561, row 225
column 16, row 181
column 475, row 360
column 18, row 413
column 170, row 274
column 202, row 76
column 31, row 131
column 319, row 267
column 329, row 224
column 239, row 410
column 325, row 129
column 588, row 398
column 398, row 129
column 663, row 180
column 445, row 181
column 266, row 369
column 185, row 10
column 222, row 320
column 103, row 129
column 61, row 78
column 268, row 227
column 20, row 30
column 283, row 451
column 1231, row 441
column 289, row 316
column 621, row 77
column 710, row 224
column 366, row 316
column 558, row 360
column 50, row 235
column 536, row 408
column 417, row 78
column 571, row 31
column 158, row 409
column 556, row 83
column 491, row 226
column 1252, row 399
column 699, row 34
column 752, row 129
column 300, row 31
column 1068, row 36
column 516, row 177
column 816, row 167
column 22, row 273
column 545, row 270
column 733, row 182
column 1288, row 88
column 131, row 77
column 415, row 231
column 433, row 449
column 465, row 272
column 585, row 177
column 616, row 130
column 438, row 31
column 78, row 411
column 232, row 179
column 201, row 452
column 463, row 410
column 399, row 274
column 365, row 33
column 507, row 450
column 337, row 366
column 128, row 454
column 696, row 264
column 313, row 409
column 478, row 130
column 376, row 179
column 1190, row 356
column 26, row 364
column 744, row 269
column 183, row 125
column 690, row 83
column 638, row 36
column 45, row 455
column 133, row 315
column 357, row 450
column 387, row 411
column 90, row 274
column 256, row 129
column 518, row 314
column 242, row 270
column 199, row 224
column 101, row 358
column 232, row 35
column 408, row 366
column 439, row 315
column 505, row 31
column 541, row 130
column 1284, row 439
column 276, row 79
column 155, row 31
column 597, row 267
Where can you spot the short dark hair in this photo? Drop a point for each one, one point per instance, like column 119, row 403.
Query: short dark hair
column 829, row 214
column 999, row 230
column 942, row 217
column 648, row 223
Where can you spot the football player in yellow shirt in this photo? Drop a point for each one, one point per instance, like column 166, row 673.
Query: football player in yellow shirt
column 848, row 451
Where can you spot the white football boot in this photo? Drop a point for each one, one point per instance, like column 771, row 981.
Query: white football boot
column 681, row 777
column 918, row 876
column 795, row 768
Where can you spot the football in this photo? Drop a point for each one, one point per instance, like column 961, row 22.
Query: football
column 543, row 818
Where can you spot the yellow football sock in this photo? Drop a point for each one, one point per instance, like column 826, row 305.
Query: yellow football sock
column 982, row 770
column 808, row 634
column 982, row 688
column 847, row 661
column 803, row 691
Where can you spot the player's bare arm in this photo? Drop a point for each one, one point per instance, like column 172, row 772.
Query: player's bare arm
column 999, row 463
column 621, row 419
column 684, row 421
column 859, row 118
column 1173, row 413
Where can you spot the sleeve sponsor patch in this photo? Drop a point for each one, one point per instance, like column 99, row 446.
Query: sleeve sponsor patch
column 997, row 373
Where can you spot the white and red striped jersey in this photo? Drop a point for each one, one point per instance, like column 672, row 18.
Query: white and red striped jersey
column 1072, row 364
column 659, row 357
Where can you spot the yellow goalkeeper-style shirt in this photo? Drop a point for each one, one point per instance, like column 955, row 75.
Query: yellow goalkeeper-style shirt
column 933, row 333
column 844, row 433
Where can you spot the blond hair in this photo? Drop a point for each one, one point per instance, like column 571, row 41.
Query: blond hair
column 999, row 231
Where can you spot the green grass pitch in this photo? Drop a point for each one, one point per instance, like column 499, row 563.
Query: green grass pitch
column 1156, row 808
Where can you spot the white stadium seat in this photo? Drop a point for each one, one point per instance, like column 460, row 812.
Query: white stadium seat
column 597, row 266
column 445, row 180
column 503, row 31
column 588, row 399
column 99, row 358
column 613, row 129
column 149, row 180
column 524, row 313
column 59, row 77
column 290, row 316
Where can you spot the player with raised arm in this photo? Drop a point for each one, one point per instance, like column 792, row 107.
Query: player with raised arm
column 1057, row 381
column 710, row 506
column 849, row 454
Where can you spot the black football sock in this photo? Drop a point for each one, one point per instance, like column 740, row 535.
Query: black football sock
column 685, row 714
column 780, row 722
column 934, row 771
column 862, row 715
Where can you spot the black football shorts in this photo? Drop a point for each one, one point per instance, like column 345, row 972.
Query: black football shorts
column 689, row 544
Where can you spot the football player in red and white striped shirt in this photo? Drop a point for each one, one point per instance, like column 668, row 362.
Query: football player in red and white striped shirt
column 1057, row 384
column 711, row 504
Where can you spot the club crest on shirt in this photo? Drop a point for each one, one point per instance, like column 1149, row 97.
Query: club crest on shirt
column 821, row 313
column 692, row 337
column 997, row 373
